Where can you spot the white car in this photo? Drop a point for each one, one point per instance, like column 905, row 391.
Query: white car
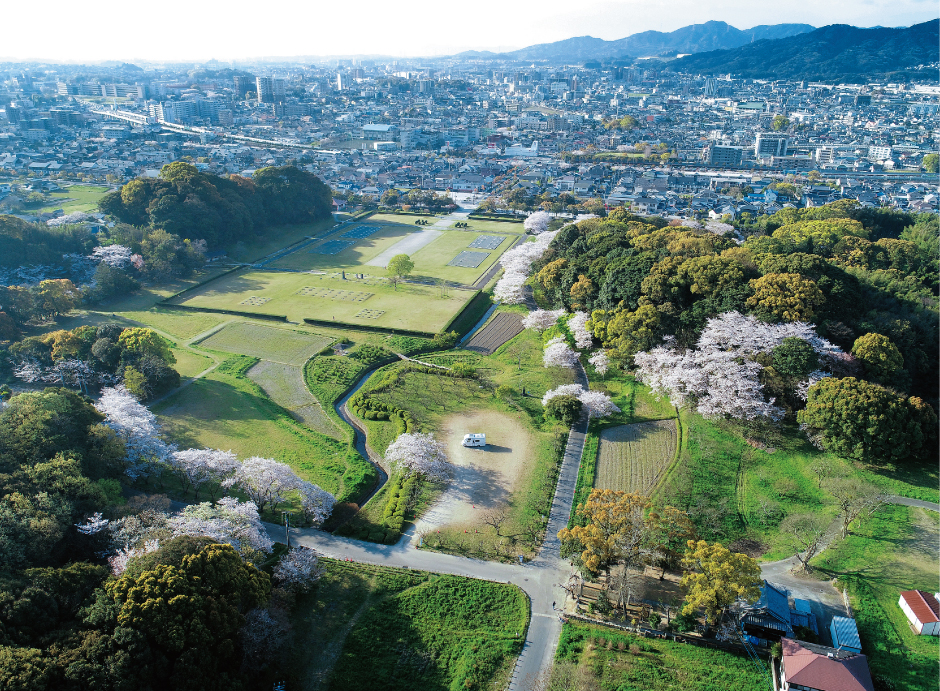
column 474, row 440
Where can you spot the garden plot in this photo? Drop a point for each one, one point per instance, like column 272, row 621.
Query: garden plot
column 331, row 294
column 284, row 384
column 632, row 458
column 332, row 246
column 483, row 479
column 360, row 232
column 266, row 342
column 503, row 327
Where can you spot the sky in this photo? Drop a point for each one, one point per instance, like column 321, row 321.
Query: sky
column 181, row 30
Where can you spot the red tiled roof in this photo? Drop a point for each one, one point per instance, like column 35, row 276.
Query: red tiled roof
column 818, row 671
column 924, row 605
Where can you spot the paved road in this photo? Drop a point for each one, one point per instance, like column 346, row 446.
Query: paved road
column 904, row 501
column 540, row 579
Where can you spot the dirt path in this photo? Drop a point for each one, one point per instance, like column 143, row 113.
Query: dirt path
column 484, row 478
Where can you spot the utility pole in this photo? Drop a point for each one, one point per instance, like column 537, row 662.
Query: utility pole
column 286, row 527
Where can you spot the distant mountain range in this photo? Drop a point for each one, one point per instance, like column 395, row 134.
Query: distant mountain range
column 832, row 53
column 696, row 38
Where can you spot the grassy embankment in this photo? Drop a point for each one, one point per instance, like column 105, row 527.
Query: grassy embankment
column 374, row 627
column 886, row 553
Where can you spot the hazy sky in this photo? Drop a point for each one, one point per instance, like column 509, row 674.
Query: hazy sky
column 198, row 30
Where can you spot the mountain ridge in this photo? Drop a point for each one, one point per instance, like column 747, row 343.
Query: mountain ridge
column 835, row 52
column 695, row 38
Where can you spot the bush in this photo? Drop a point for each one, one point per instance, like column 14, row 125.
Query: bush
column 566, row 409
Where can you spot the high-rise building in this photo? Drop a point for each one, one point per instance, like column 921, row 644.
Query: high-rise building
column 770, row 144
column 264, row 88
column 711, row 86
column 340, row 81
column 721, row 155
column 242, row 86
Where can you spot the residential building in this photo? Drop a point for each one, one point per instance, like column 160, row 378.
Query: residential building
column 770, row 144
column 844, row 634
column 721, row 155
column 811, row 667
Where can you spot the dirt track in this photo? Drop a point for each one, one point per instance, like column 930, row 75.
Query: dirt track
column 503, row 327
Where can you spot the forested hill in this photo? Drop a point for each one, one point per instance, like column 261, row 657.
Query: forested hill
column 847, row 271
column 221, row 211
column 832, row 53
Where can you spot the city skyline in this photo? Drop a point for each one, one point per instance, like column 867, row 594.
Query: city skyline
column 415, row 28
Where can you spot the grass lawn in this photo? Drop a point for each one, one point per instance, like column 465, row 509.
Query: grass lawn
column 383, row 628
column 430, row 261
column 352, row 302
column 284, row 236
column 75, row 198
column 892, row 551
column 226, row 410
column 181, row 324
column 190, row 363
column 487, row 226
column 266, row 342
column 606, row 659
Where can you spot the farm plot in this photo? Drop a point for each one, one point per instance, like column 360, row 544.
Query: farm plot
column 503, row 327
column 632, row 458
column 284, row 384
column 266, row 342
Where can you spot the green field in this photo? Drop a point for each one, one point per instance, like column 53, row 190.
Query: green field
column 411, row 307
column 892, row 551
column 226, row 410
column 605, row 659
column 430, row 261
column 178, row 323
column 488, row 226
column 382, row 628
column 75, row 198
column 266, row 342
column 190, row 363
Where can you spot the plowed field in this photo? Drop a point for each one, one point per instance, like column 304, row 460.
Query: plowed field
column 632, row 458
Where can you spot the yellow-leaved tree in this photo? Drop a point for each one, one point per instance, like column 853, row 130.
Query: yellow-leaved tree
column 716, row 577
column 785, row 297
column 616, row 528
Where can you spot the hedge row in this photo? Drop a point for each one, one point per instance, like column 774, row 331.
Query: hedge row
column 399, row 497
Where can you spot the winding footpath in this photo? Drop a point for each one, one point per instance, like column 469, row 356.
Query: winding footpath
column 541, row 579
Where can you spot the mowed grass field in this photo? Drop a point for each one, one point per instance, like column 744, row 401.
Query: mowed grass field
column 284, row 384
column 411, row 307
column 430, row 261
column 266, row 342
column 632, row 458
column 226, row 410
column 382, row 628
column 75, row 198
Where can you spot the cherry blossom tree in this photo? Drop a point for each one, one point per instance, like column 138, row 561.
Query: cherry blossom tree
column 596, row 403
column 264, row 480
column 558, row 354
column 537, row 223
column 117, row 256
column 316, row 503
column 298, row 570
column 93, row 525
column 539, row 320
column 120, row 559
column 414, row 452
column 578, row 327
column 228, row 520
column 137, row 427
column 601, row 362
column 719, row 377
column 564, row 390
column 517, row 263
column 198, row 468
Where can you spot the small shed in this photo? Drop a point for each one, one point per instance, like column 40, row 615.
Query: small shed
column 922, row 610
column 845, row 635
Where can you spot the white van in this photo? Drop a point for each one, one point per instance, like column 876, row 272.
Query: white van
column 474, row 440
